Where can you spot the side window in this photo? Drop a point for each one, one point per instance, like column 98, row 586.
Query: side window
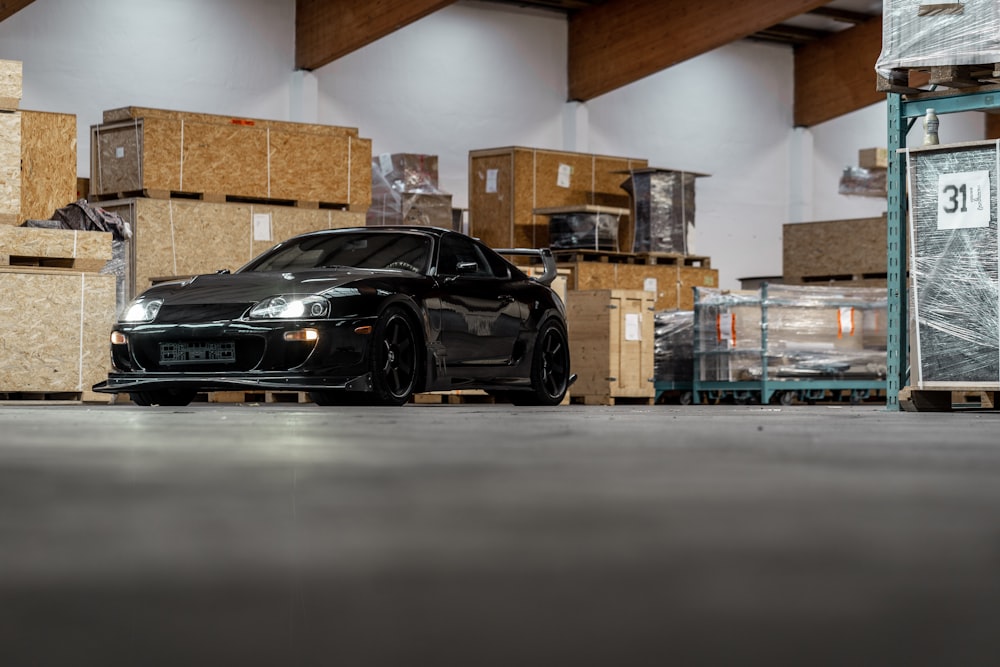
column 457, row 253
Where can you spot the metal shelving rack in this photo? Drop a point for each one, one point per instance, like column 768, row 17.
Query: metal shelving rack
column 902, row 113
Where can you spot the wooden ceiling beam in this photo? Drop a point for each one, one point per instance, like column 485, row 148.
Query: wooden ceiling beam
column 836, row 75
column 10, row 7
column 329, row 29
column 621, row 41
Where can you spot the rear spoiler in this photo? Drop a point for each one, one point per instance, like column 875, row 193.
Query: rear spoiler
column 548, row 261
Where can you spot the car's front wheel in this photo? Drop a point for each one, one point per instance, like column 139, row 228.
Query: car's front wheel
column 549, row 368
column 395, row 358
column 165, row 397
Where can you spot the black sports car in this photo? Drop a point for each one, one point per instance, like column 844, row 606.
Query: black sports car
column 359, row 315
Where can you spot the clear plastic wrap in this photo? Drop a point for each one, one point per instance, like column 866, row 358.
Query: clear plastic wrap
column 662, row 210
column 802, row 331
column 673, row 346
column 919, row 34
column 583, row 230
column 862, row 182
column 955, row 299
column 405, row 192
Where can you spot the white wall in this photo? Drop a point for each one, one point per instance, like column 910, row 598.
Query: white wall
column 474, row 75
column 471, row 76
column 214, row 56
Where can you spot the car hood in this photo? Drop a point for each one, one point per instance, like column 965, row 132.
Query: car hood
column 255, row 286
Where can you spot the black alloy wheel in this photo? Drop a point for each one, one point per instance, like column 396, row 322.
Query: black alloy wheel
column 395, row 358
column 549, row 368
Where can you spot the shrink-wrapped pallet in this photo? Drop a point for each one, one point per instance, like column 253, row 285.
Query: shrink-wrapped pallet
column 918, row 34
column 953, row 265
column 803, row 332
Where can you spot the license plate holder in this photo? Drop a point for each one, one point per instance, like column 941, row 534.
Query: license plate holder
column 198, row 352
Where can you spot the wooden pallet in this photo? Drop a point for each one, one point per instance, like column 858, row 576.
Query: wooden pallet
column 914, row 80
column 912, row 399
column 645, row 258
column 215, row 198
column 54, row 397
column 257, row 397
column 612, row 400
column 460, row 396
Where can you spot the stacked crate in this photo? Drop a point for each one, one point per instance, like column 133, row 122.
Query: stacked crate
column 206, row 192
column 835, row 252
column 57, row 309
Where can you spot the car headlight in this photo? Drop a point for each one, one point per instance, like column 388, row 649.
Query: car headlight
column 142, row 310
column 285, row 307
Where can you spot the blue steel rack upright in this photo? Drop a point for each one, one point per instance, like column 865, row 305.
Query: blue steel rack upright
column 901, row 115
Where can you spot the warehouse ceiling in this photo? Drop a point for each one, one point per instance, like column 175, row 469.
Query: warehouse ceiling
column 613, row 43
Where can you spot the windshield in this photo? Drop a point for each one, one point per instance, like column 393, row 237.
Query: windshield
column 363, row 250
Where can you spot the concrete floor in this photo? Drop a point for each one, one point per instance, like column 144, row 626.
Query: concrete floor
column 482, row 535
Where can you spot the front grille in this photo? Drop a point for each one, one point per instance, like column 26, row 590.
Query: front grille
column 199, row 313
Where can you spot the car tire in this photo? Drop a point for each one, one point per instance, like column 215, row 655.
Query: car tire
column 395, row 358
column 549, row 368
column 163, row 397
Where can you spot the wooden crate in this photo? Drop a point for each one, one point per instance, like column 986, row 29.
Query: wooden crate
column 54, row 248
column 507, row 184
column 611, row 338
column 214, row 158
column 48, row 163
column 62, row 345
column 176, row 237
column 10, row 168
column 10, row 84
column 133, row 112
column 671, row 285
column 835, row 251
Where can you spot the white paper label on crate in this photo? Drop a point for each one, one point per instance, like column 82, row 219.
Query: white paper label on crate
column 491, row 180
column 385, row 163
column 964, row 200
column 120, row 152
column 563, row 177
column 649, row 285
column 261, row 226
column 633, row 326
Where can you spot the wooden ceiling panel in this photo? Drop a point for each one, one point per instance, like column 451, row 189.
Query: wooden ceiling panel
column 10, row 7
column 329, row 29
column 621, row 41
column 836, row 75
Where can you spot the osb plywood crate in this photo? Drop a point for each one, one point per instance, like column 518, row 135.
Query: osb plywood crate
column 132, row 112
column 10, row 84
column 10, row 168
column 159, row 155
column 507, row 184
column 54, row 248
column 173, row 237
column 670, row 285
column 611, row 340
column 48, row 163
column 63, row 346
column 835, row 250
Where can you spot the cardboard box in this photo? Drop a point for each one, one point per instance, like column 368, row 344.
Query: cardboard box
column 873, row 158
column 611, row 340
column 506, row 185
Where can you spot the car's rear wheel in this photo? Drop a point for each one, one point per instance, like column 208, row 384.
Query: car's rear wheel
column 165, row 397
column 549, row 368
column 395, row 358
